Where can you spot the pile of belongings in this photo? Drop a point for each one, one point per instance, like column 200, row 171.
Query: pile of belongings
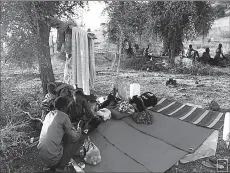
column 113, row 107
column 135, row 106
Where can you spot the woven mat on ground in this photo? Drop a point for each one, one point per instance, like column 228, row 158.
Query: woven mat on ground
column 126, row 149
column 191, row 114
column 179, row 134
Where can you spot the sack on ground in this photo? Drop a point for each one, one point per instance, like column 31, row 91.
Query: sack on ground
column 214, row 106
column 149, row 99
column 92, row 155
column 143, row 117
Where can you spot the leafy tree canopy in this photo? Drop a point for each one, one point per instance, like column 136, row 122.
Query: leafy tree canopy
column 20, row 27
column 173, row 21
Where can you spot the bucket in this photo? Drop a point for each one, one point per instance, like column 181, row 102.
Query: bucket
column 135, row 89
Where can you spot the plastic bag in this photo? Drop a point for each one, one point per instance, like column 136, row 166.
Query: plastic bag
column 92, row 155
column 105, row 113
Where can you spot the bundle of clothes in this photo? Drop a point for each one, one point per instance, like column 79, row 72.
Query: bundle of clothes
column 69, row 116
column 135, row 106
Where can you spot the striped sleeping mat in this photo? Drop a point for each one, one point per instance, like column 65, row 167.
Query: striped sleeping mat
column 190, row 114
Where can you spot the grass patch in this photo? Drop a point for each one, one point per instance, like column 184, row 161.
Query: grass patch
column 16, row 128
column 142, row 64
column 198, row 69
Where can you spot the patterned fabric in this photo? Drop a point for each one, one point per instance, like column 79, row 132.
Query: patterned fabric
column 80, row 67
column 190, row 114
column 144, row 117
column 125, row 107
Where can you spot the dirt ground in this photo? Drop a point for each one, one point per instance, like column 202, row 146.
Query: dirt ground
column 215, row 87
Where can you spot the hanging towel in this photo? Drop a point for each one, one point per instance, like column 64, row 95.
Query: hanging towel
column 85, row 61
column 80, row 59
column 92, row 68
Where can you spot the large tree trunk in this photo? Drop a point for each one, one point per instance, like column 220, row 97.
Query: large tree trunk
column 173, row 46
column 44, row 58
column 166, row 45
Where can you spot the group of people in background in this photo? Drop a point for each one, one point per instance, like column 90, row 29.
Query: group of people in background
column 206, row 58
column 218, row 60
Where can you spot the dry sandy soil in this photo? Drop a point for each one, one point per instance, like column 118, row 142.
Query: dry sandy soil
column 215, row 87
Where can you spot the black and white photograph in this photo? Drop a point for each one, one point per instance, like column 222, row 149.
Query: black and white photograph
column 115, row 86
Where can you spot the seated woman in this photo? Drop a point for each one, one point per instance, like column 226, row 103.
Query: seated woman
column 79, row 109
column 192, row 53
column 219, row 57
column 206, row 58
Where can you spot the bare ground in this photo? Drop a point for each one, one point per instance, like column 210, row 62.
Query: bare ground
column 216, row 87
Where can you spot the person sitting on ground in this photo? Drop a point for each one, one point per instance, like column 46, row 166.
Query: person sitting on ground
column 59, row 141
column 79, row 109
column 206, row 58
column 192, row 53
column 219, row 53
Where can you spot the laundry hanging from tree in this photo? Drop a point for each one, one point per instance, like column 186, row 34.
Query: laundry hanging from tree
column 80, row 59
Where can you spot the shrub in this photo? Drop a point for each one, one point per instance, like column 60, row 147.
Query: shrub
column 142, row 64
column 220, row 10
column 198, row 69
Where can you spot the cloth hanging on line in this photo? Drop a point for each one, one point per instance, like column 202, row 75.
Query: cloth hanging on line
column 68, row 75
column 92, row 68
column 83, row 60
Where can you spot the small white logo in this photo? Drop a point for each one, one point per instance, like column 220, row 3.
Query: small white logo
column 220, row 164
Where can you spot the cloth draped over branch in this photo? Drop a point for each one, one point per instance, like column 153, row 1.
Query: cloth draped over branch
column 79, row 48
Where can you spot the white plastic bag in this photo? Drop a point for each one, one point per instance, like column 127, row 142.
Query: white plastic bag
column 105, row 113
column 93, row 155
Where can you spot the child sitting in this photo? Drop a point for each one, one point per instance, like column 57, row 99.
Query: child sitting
column 79, row 109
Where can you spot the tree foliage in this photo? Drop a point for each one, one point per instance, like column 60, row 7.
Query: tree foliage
column 129, row 15
column 177, row 21
column 173, row 21
column 19, row 25
column 26, row 28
